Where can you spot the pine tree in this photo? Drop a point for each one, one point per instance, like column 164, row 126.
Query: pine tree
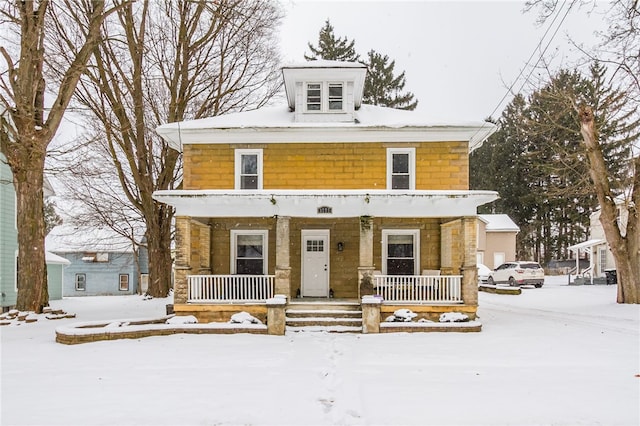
column 331, row 48
column 382, row 88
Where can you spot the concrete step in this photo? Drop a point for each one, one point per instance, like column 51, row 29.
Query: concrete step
column 325, row 329
column 324, row 322
column 323, row 305
column 330, row 316
column 325, row 313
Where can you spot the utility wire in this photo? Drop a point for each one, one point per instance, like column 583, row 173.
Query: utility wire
column 541, row 55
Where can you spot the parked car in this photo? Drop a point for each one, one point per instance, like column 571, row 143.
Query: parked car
column 517, row 273
column 483, row 273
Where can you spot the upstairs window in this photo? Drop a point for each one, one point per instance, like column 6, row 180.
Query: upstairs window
column 325, row 97
column 248, row 169
column 335, row 96
column 401, row 168
column 314, row 97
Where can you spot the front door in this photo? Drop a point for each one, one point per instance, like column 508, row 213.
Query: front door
column 315, row 263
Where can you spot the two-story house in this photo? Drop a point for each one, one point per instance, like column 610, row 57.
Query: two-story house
column 324, row 197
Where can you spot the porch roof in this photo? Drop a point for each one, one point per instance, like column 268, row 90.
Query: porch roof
column 324, row 203
column 586, row 244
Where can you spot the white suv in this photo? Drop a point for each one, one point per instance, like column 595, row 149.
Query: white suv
column 517, row 273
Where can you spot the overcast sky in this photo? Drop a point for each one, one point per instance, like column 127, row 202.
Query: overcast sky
column 459, row 56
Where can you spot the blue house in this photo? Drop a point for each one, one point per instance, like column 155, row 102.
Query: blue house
column 102, row 262
column 9, row 244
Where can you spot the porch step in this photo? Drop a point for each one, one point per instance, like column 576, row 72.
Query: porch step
column 333, row 317
column 323, row 313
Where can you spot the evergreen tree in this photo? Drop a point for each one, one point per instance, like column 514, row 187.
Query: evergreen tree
column 538, row 163
column 331, row 48
column 382, row 88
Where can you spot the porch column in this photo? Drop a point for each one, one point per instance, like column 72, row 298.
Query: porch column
column 469, row 231
column 205, row 250
column 183, row 259
column 283, row 267
column 366, row 268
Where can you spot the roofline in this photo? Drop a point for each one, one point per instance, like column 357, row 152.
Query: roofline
column 177, row 137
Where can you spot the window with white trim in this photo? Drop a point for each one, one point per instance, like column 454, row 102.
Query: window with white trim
column 400, row 251
column 602, row 259
column 249, row 252
column 248, row 168
column 81, row 282
column 123, row 282
column 325, row 97
column 335, row 96
column 401, row 165
column 314, row 97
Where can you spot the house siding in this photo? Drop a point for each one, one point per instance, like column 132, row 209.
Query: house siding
column 55, row 280
column 503, row 242
column 8, row 236
column 439, row 165
column 102, row 278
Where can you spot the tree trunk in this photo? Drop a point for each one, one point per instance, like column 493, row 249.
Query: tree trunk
column 33, row 294
column 159, row 249
column 625, row 249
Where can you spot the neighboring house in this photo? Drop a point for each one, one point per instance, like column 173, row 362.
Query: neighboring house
column 324, row 197
column 101, row 261
column 9, row 244
column 496, row 239
column 596, row 249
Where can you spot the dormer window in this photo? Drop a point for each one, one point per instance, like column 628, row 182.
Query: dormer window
column 325, row 97
column 314, row 97
column 335, row 96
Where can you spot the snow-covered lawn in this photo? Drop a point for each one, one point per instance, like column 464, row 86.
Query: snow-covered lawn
column 560, row 355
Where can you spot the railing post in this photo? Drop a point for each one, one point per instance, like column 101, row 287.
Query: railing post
column 276, row 320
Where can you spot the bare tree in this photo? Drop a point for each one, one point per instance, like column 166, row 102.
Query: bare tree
column 625, row 242
column 619, row 49
column 27, row 128
column 172, row 61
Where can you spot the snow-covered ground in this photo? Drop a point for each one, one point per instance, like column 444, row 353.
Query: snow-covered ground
column 559, row 355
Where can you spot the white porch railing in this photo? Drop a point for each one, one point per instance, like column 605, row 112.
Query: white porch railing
column 419, row 288
column 229, row 288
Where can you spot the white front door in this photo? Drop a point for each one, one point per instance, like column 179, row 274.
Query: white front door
column 315, row 263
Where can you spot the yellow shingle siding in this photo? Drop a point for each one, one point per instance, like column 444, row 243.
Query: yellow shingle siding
column 439, row 165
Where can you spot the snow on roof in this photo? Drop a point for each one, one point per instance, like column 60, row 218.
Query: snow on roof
column 279, row 116
column 70, row 238
column 499, row 223
column 274, row 123
column 54, row 259
column 586, row 244
column 323, row 63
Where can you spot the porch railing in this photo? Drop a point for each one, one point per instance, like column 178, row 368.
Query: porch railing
column 419, row 288
column 229, row 288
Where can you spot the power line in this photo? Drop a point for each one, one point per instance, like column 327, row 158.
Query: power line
column 541, row 55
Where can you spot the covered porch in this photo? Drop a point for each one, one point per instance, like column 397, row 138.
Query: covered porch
column 239, row 248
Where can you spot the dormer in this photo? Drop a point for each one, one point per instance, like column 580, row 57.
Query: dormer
column 324, row 91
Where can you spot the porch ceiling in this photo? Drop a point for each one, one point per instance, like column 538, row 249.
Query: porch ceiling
column 324, row 203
